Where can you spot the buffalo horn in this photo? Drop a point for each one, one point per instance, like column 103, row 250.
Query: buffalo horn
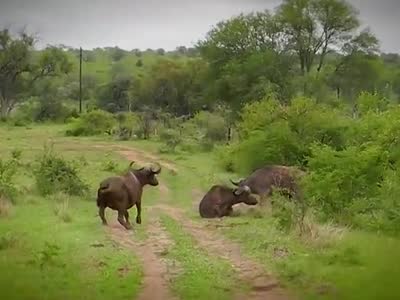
column 235, row 182
column 156, row 169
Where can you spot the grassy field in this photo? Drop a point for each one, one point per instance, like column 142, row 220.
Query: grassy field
column 55, row 247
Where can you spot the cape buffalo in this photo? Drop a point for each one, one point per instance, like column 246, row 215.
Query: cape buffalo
column 263, row 180
column 218, row 201
column 120, row 193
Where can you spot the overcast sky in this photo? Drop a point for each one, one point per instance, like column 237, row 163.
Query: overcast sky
column 159, row 23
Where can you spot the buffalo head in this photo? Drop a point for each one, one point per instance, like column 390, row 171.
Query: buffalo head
column 148, row 173
column 243, row 194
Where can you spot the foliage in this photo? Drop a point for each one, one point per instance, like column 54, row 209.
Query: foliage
column 352, row 160
column 55, row 174
column 171, row 138
column 8, row 170
column 212, row 127
column 92, row 123
column 20, row 70
column 127, row 123
column 342, row 184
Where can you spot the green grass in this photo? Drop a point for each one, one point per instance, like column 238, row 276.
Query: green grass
column 74, row 269
column 358, row 266
column 202, row 276
column 77, row 270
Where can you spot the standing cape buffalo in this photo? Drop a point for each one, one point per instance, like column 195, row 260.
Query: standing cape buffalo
column 263, row 180
column 218, row 201
column 120, row 193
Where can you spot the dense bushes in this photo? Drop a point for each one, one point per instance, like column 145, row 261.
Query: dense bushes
column 352, row 158
column 93, row 123
column 8, row 170
column 55, row 174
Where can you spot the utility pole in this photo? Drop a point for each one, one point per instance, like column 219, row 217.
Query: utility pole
column 80, row 80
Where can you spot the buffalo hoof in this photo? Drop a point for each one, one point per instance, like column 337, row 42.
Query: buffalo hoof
column 138, row 220
column 128, row 227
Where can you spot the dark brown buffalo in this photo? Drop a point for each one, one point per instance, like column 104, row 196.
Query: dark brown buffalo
column 263, row 180
column 218, row 201
column 120, row 193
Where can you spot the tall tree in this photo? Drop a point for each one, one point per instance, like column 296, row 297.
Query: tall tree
column 314, row 27
column 20, row 69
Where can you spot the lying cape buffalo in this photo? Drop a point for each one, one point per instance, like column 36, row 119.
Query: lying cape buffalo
column 120, row 193
column 263, row 180
column 218, row 201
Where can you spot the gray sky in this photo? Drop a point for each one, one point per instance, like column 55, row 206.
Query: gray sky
column 159, row 23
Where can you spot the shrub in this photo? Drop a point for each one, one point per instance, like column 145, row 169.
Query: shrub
column 127, row 123
column 109, row 165
column 171, row 139
column 342, row 184
column 7, row 240
column 139, row 63
column 93, row 123
column 289, row 214
column 8, row 170
column 61, row 208
column 51, row 110
column 55, row 174
column 368, row 102
column 213, row 125
column 225, row 157
column 277, row 145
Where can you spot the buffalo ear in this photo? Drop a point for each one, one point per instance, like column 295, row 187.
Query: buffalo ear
column 131, row 164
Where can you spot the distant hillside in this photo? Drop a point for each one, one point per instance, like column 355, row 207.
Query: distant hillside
column 103, row 63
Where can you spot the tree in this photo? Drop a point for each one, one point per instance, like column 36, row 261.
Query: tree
column 117, row 54
column 359, row 68
column 160, row 51
column 139, row 63
column 240, row 36
column 114, row 96
column 20, row 69
column 314, row 27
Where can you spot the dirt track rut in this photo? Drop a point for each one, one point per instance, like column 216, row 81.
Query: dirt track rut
column 155, row 277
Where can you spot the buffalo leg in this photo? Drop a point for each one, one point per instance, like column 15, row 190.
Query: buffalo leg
column 229, row 211
column 121, row 220
column 139, row 213
column 102, row 215
column 220, row 211
column 127, row 218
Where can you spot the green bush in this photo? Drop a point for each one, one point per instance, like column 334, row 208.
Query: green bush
column 8, row 170
column 171, row 138
column 367, row 102
column 213, row 125
column 52, row 110
column 277, row 145
column 95, row 122
column 342, row 184
column 54, row 174
column 127, row 123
